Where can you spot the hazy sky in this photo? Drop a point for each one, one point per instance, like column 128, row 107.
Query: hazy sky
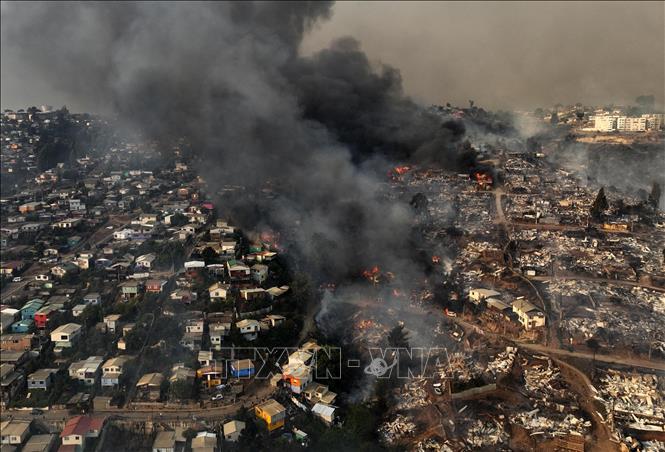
column 502, row 55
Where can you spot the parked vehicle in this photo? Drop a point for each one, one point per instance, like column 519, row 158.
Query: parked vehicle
column 217, row 397
column 41, row 277
column 16, row 279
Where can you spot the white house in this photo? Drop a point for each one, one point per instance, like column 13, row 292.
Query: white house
column 146, row 260
column 529, row 315
column 232, row 430
column 478, row 295
column 86, row 370
column 66, row 335
column 218, row 291
column 249, row 328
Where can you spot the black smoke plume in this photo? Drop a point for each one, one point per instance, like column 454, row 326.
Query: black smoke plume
column 227, row 76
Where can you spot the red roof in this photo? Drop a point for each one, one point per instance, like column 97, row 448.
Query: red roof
column 80, row 425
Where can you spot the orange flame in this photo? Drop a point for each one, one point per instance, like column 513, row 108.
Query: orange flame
column 401, row 170
column 436, row 260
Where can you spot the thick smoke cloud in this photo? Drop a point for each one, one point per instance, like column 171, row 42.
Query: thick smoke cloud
column 229, row 78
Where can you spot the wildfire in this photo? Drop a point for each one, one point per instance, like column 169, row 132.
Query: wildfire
column 436, row 260
column 483, row 178
column 364, row 324
column 372, row 275
column 398, row 171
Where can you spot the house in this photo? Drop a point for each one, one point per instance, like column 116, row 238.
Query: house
column 232, row 430
column 41, row 379
column 87, row 370
column 155, row 285
column 204, row 442
column 150, row 386
column 478, row 295
column 272, row 413
column 30, row 308
column 11, row 268
column 11, row 382
column 272, row 320
column 192, row 340
column 249, row 328
column 210, row 376
column 14, row 432
column 22, row 326
column 259, row 273
column 130, row 289
column 316, row 392
column 529, row 315
column 194, row 326
column 40, row 443
column 148, row 218
column 68, row 223
column 184, row 296
column 217, row 332
column 146, row 261
column 182, row 373
column 16, row 342
column 255, row 293
column 92, row 298
column 62, row 270
column 164, row 442
column 324, row 412
column 112, row 370
column 44, row 315
column 205, row 358
column 78, row 310
column 237, row 270
column 124, row 234
column 79, row 429
column 112, row 322
column 242, row 368
column 218, row 291
column 66, row 335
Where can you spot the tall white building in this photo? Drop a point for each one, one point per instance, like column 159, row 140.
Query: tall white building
column 654, row 120
column 627, row 124
column 605, row 123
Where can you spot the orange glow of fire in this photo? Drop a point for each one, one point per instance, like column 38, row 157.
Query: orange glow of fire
column 401, row 170
column 436, row 260
column 483, row 178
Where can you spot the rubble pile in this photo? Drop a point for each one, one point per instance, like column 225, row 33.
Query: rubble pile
column 502, row 363
column 485, row 434
column 412, row 395
column 461, row 367
column 531, row 421
column 636, row 394
column 396, row 429
column 544, row 383
column 431, row 445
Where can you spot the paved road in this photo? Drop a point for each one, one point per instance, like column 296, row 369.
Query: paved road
column 608, row 359
column 616, row 282
column 539, row 348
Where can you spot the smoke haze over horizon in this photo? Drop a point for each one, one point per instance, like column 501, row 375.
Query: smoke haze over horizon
column 513, row 55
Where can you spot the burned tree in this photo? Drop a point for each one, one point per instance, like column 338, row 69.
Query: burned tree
column 599, row 205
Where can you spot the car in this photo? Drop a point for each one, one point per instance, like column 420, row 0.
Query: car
column 109, row 227
column 16, row 279
column 36, row 412
column 217, row 397
column 41, row 278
